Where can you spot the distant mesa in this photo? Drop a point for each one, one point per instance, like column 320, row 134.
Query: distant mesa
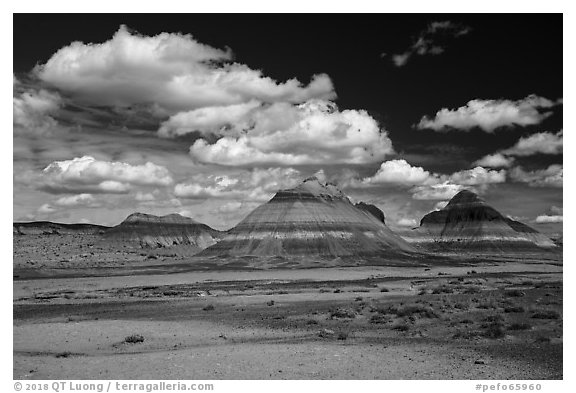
column 163, row 231
column 314, row 219
column 55, row 228
column 468, row 222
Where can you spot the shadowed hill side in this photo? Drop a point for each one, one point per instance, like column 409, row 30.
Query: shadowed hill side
column 468, row 222
column 165, row 231
column 312, row 220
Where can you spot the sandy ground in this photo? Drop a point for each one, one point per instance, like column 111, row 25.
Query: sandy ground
column 492, row 321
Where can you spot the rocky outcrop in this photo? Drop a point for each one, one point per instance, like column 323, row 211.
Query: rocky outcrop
column 54, row 228
column 468, row 222
column 313, row 220
column 165, row 231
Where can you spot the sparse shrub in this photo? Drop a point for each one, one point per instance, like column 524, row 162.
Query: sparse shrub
column 208, row 308
column 442, row 289
column 514, row 293
column 494, row 330
column 416, row 309
column 379, row 319
column 270, row 303
column 342, row 313
column 311, row 322
column 151, row 256
column 493, row 318
column 545, row 314
column 401, row 327
column 466, row 321
column 471, row 290
column 488, row 304
column 384, row 289
column 337, row 290
column 134, row 339
column 358, row 299
column 511, row 309
column 65, row 354
column 542, row 339
column 467, row 334
column 519, row 326
column 342, row 335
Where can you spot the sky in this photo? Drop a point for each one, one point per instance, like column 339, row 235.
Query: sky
column 209, row 115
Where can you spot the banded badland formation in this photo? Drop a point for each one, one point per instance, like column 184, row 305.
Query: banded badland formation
column 307, row 199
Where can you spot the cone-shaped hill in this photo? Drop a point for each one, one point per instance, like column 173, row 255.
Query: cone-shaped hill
column 165, row 231
column 311, row 220
column 468, row 222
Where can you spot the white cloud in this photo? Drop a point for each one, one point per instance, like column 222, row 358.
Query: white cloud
column 407, row 222
column 171, row 71
column 478, row 176
column 436, row 192
column 145, row 196
column 75, row 200
column 555, row 210
column 427, row 41
column 496, row 160
column 490, row 115
column 33, row 110
column 256, row 185
column 552, row 176
column 400, row 172
column 440, row 205
column 284, row 134
column 229, row 207
column 539, row 143
column 86, row 174
column 544, row 219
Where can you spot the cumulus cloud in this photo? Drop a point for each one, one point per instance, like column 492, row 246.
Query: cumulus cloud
column 427, row 42
column 545, row 219
column 33, row 111
column 171, row 71
column 496, row 160
column 256, row 185
column 315, row 132
column 208, row 120
column 490, row 115
column 400, row 172
column 88, row 175
column 539, row 143
column 478, row 176
column 552, row 176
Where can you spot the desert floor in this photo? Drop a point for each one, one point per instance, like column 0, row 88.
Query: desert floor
column 488, row 321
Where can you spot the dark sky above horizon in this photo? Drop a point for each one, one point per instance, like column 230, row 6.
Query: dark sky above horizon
column 427, row 104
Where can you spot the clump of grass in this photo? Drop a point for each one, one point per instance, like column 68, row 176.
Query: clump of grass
column 337, row 290
column 311, row 322
column 359, row 299
column 342, row 313
column 65, row 354
column 461, row 306
column 384, row 289
column 488, row 304
column 208, row 308
column 467, row 334
column 519, row 326
column 542, row 339
column 545, row 314
column 134, row 339
column 471, row 290
column 513, row 309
